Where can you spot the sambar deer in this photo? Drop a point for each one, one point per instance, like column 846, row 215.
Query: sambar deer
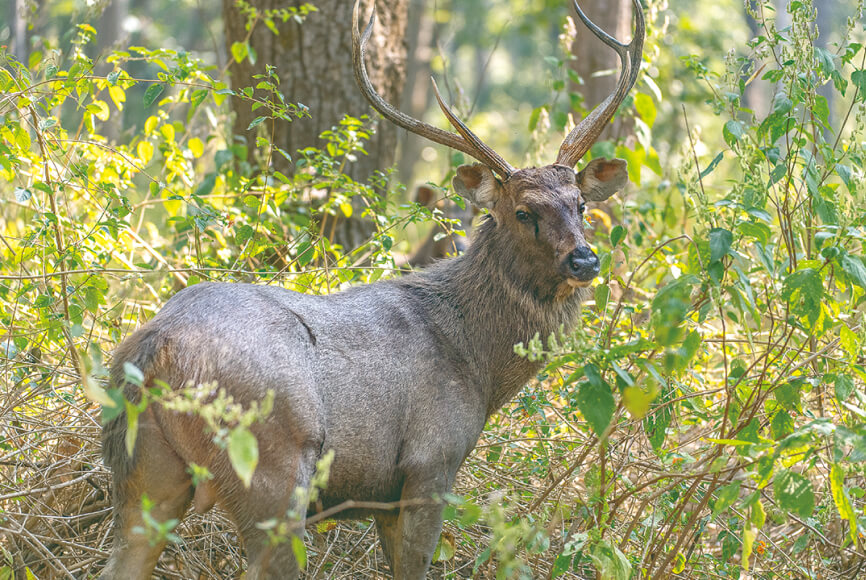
column 397, row 378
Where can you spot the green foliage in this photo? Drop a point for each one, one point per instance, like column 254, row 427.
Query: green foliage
column 713, row 397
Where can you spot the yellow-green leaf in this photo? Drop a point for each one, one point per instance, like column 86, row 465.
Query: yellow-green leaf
column 758, row 516
column 196, row 146
column 118, row 96
column 645, row 108
column 132, row 413
column 243, row 453
column 145, row 151
column 150, row 125
column 749, row 534
column 239, row 51
column 842, row 501
column 849, row 340
column 300, row 551
column 167, row 132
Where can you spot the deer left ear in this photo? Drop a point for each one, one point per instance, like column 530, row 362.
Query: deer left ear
column 477, row 184
column 601, row 178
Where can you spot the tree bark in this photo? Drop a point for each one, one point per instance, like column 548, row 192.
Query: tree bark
column 593, row 56
column 314, row 62
column 20, row 40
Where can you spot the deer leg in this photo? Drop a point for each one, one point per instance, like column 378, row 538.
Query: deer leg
column 160, row 475
column 417, row 532
column 270, row 498
column 386, row 526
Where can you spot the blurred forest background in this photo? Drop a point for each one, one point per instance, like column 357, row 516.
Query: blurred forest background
column 147, row 145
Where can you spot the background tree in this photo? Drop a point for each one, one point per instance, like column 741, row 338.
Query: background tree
column 593, row 57
column 314, row 63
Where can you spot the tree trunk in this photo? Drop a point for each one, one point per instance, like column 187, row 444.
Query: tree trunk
column 314, row 62
column 112, row 36
column 593, row 56
column 418, row 94
column 20, row 44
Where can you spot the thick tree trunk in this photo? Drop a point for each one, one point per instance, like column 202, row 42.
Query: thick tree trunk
column 615, row 18
column 314, row 62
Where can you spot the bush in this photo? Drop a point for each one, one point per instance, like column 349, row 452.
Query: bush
column 706, row 420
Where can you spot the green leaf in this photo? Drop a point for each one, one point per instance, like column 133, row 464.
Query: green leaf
column 726, row 496
column 712, row 166
column 804, row 290
column 610, row 562
column 197, row 97
column 782, row 425
column 657, row 421
column 22, row 194
column 843, row 387
column 533, row 118
column 733, row 131
column 152, row 93
column 858, row 78
column 645, row 107
column 794, row 493
column 595, row 400
column 256, row 122
column 720, row 242
column 617, row 234
column 788, row 394
column 239, row 51
column 243, row 452
column 758, row 231
column 602, row 294
column 842, row 501
column 855, row 269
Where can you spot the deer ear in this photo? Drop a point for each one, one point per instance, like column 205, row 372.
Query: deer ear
column 477, row 184
column 425, row 196
column 601, row 178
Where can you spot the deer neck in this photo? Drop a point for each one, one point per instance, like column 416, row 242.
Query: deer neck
column 492, row 301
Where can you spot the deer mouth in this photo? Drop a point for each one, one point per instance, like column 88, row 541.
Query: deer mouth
column 576, row 283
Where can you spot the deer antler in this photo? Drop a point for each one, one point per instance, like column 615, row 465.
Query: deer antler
column 581, row 138
column 466, row 141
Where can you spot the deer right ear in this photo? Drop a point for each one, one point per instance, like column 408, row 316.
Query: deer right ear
column 477, row 184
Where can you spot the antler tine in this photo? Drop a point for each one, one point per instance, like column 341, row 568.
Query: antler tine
column 582, row 137
column 466, row 142
column 487, row 155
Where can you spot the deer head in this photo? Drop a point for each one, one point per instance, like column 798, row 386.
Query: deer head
column 538, row 209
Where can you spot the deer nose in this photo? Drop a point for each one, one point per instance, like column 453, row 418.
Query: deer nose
column 583, row 264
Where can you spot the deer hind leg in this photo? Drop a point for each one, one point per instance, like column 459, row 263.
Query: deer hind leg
column 272, row 497
column 386, row 526
column 160, row 475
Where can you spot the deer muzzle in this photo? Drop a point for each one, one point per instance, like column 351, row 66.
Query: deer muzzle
column 582, row 264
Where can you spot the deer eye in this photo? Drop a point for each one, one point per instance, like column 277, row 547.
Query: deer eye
column 581, row 208
column 523, row 216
